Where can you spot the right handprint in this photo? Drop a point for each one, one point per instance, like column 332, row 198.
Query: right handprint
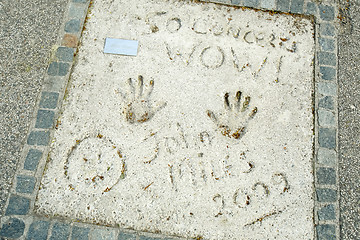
column 232, row 123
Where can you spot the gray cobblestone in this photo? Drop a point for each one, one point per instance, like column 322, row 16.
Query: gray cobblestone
column 268, row 4
column 326, row 102
column 327, row 58
column 102, row 234
column 76, row 11
column 328, row 89
column 25, row 184
column 44, row 119
column 58, row 69
column 251, row 3
column 326, row 157
column 236, row 2
column 326, row 232
column 327, row 29
column 38, row 230
column 80, row 233
column 283, row 5
column 53, row 83
column 327, row 73
column 326, row 118
column 126, row 236
column 32, row 159
column 327, row 213
column 326, row 176
column 327, row 44
column 327, row 13
column 326, row 195
column 327, row 138
column 18, row 205
column 65, row 54
column 311, row 8
column 40, row 138
column 72, row 26
column 80, row 1
column 60, row 231
column 297, row 6
column 148, row 238
column 49, row 100
column 13, row 228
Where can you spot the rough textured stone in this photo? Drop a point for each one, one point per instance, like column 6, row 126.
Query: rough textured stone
column 58, row 69
column 72, row 26
column 326, row 195
column 25, row 184
column 326, row 102
column 18, row 205
column 327, row 29
column 49, row 100
column 126, row 236
column 70, row 40
column 326, row 118
column 327, row 138
column 326, row 157
column 65, row 54
column 326, row 176
column 60, row 231
column 80, row 233
column 327, row 73
column 32, row 159
column 79, row 1
column 327, row 213
column 327, row 13
column 13, row 228
column 327, row 44
column 297, row 6
column 77, row 12
column 269, row 4
column 38, row 230
column 40, row 138
column 283, row 5
column 44, row 119
column 326, row 232
column 251, row 3
column 102, row 234
column 148, row 238
column 327, row 58
column 329, row 89
column 311, row 8
column 54, row 83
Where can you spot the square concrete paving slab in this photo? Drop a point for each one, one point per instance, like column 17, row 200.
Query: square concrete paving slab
column 206, row 132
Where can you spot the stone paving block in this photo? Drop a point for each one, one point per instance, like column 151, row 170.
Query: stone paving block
column 25, row 184
column 53, row 83
column 327, row 58
column 326, row 195
column 102, row 234
column 38, row 230
column 70, row 40
column 18, row 205
column 251, row 3
column 327, row 44
column 327, row 29
column 58, row 69
column 268, row 4
column 326, row 232
column 328, row 89
column 80, row 233
column 326, row 176
column 63, row 68
column 60, row 231
column 76, row 11
column 326, row 102
column 44, row 119
column 326, row 118
column 13, row 228
column 65, row 54
column 327, row 213
column 149, row 238
column 326, row 157
column 311, row 8
column 72, row 26
column 126, row 236
column 40, row 138
column 32, row 159
column 327, row 138
column 79, row 1
column 327, row 13
column 327, row 73
column 297, row 6
column 283, row 5
column 49, row 100
column 236, row 2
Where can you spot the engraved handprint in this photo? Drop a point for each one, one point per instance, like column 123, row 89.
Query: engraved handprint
column 232, row 123
column 137, row 105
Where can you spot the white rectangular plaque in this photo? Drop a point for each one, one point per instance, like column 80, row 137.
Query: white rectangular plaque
column 121, row 46
column 207, row 133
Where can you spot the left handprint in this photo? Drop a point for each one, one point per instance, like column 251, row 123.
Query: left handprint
column 137, row 106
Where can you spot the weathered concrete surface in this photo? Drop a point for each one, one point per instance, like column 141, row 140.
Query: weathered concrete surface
column 349, row 119
column 181, row 150
column 28, row 29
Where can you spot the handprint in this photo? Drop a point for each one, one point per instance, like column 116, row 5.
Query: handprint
column 137, row 106
column 232, row 123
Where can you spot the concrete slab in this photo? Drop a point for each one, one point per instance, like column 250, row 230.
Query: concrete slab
column 207, row 132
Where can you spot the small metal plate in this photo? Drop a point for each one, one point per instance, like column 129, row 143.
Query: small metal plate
column 121, row 46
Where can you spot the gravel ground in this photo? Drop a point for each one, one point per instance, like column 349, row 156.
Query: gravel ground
column 349, row 120
column 28, row 29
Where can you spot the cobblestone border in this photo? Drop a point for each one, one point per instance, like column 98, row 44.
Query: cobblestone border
column 20, row 223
